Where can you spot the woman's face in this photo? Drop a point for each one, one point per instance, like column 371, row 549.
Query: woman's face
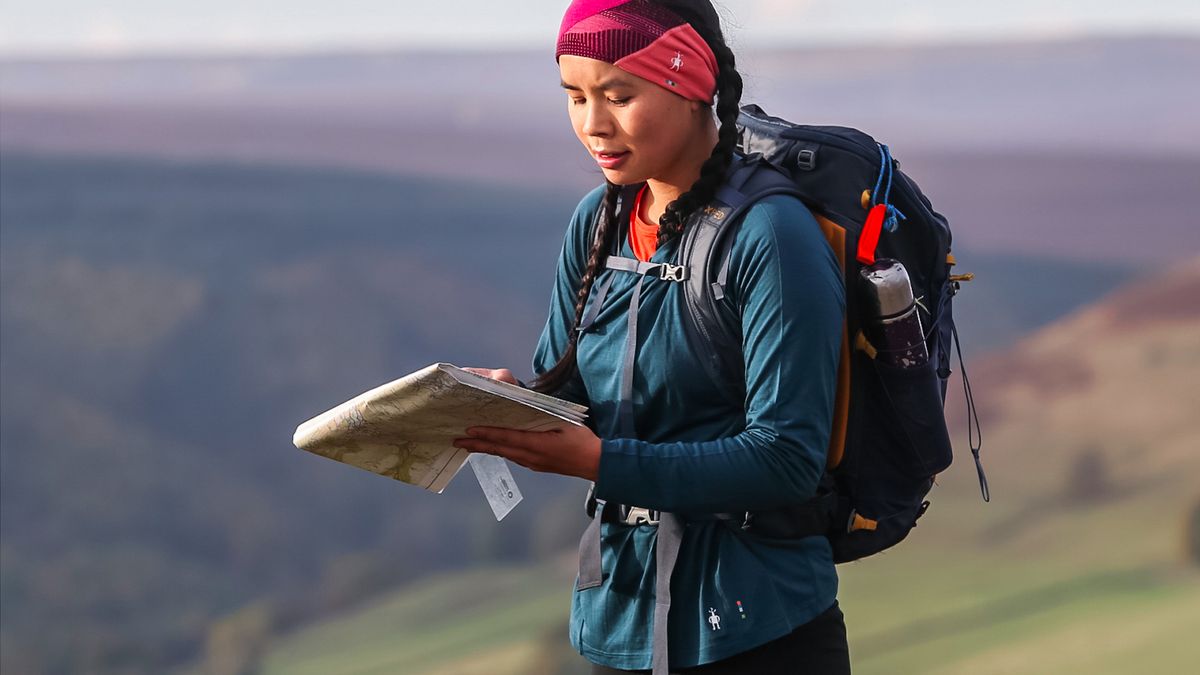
column 650, row 133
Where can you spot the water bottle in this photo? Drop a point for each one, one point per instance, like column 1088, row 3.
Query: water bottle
column 893, row 324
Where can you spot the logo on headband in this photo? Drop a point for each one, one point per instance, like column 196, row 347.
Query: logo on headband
column 677, row 62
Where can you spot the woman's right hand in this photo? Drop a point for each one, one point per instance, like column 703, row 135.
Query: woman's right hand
column 502, row 374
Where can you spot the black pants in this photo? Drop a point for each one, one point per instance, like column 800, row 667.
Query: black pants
column 817, row 648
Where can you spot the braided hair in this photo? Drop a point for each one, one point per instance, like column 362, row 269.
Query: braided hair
column 703, row 17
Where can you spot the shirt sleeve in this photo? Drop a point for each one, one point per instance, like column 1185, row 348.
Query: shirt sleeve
column 571, row 263
column 788, row 288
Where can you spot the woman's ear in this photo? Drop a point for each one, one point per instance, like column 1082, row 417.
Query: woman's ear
column 700, row 111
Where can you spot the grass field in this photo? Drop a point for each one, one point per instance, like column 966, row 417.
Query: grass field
column 496, row 618
column 942, row 602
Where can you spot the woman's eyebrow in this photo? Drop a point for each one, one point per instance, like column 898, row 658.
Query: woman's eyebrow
column 611, row 82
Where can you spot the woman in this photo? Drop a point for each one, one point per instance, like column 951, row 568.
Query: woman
column 640, row 79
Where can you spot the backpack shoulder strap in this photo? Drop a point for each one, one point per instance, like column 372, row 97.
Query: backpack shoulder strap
column 715, row 330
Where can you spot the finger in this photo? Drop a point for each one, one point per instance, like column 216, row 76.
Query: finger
column 501, row 374
column 486, row 447
column 525, row 458
column 531, row 440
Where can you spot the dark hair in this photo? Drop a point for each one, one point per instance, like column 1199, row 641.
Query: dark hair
column 703, row 17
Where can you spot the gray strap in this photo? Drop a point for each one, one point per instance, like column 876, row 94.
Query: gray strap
column 664, row 271
column 616, row 262
column 670, row 528
column 666, row 550
column 625, row 409
column 597, row 303
column 722, row 276
column 590, row 575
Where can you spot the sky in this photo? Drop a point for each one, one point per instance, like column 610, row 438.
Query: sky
column 113, row 27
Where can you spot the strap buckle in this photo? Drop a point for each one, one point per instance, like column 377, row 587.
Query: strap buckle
column 636, row 515
column 669, row 272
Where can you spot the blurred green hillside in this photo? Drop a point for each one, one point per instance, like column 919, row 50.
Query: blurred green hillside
column 164, row 328
column 1086, row 561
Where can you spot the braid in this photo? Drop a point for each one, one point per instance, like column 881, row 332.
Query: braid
column 555, row 378
column 729, row 96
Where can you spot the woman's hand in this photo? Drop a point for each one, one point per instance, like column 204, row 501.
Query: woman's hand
column 569, row 451
column 502, row 374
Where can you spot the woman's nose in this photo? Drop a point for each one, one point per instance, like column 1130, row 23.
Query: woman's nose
column 596, row 121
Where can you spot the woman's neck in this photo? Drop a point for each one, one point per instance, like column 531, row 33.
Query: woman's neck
column 662, row 190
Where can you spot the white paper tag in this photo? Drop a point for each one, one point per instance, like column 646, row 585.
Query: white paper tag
column 497, row 483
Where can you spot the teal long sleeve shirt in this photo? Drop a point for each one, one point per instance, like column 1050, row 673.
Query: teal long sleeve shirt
column 695, row 451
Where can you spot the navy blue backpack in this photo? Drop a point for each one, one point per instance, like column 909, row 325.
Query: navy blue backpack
column 889, row 437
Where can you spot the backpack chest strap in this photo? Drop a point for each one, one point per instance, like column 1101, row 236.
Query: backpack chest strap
column 664, row 271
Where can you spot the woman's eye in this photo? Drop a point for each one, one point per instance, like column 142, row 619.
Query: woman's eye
column 577, row 101
column 618, row 101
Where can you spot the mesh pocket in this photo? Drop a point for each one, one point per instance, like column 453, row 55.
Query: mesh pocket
column 907, row 427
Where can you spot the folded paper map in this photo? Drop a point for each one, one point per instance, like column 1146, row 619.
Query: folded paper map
column 405, row 429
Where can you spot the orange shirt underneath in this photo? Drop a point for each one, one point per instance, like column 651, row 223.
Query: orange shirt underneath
column 643, row 235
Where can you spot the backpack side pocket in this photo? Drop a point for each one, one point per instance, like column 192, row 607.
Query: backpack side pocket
column 904, row 410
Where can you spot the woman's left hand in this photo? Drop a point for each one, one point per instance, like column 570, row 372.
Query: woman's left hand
column 570, row 450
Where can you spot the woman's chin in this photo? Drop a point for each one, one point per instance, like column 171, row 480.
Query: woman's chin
column 620, row 177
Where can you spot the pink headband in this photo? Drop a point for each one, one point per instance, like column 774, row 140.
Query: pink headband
column 642, row 38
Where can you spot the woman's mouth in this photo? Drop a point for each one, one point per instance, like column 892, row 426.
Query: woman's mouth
column 611, row 160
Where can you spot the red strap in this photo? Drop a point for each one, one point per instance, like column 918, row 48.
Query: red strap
column 869, row 238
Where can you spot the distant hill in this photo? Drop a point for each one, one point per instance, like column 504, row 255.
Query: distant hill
column 1013, row 293
column 1050, row 96
column 1078, row 564
column 1118, row 378
column 1023, row 145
